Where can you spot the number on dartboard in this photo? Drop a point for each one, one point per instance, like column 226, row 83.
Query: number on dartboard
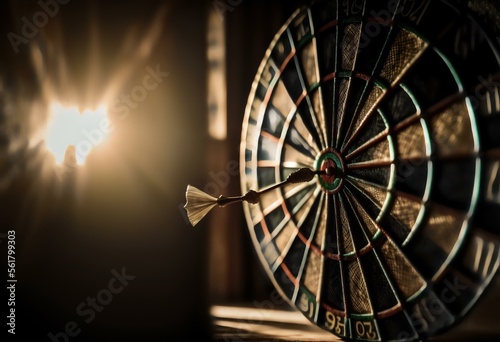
column 467, row 37
column 486, row 95
column 301, row 28
column 335, row 323
column 353, row 7
column 484, row 256
column 365, row 329
column 306, row 305
column 414, row 10
column 493, row 185
column 268, row 74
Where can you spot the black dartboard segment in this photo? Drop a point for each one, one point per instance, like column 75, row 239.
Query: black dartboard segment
column 400, row 98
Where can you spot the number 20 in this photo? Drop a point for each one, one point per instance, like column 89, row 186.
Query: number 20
column 365, row 329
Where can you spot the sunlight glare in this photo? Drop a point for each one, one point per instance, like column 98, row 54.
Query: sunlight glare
column 84, row 130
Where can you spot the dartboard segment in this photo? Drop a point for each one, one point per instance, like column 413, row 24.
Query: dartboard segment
column 395, row 104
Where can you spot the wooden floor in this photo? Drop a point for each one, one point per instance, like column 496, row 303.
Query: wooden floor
column 234, row 323
column 247, row 323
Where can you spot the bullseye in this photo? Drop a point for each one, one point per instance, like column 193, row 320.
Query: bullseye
column 330, row 168
column 331, row 162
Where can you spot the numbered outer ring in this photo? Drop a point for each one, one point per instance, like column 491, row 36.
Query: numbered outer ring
column 401, row 100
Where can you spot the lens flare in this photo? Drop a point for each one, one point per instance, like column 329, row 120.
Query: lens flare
column 82, row 129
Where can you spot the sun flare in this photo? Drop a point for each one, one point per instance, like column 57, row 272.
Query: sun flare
column 82, row 129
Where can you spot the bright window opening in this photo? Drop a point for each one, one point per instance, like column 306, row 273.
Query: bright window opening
column 82, row 129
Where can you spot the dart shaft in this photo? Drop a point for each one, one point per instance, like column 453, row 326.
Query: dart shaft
column 223, row 201
column 299, row 176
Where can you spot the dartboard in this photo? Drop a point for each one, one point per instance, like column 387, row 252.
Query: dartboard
column 399, row 102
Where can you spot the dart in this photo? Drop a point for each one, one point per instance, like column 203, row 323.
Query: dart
column 199, row 203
